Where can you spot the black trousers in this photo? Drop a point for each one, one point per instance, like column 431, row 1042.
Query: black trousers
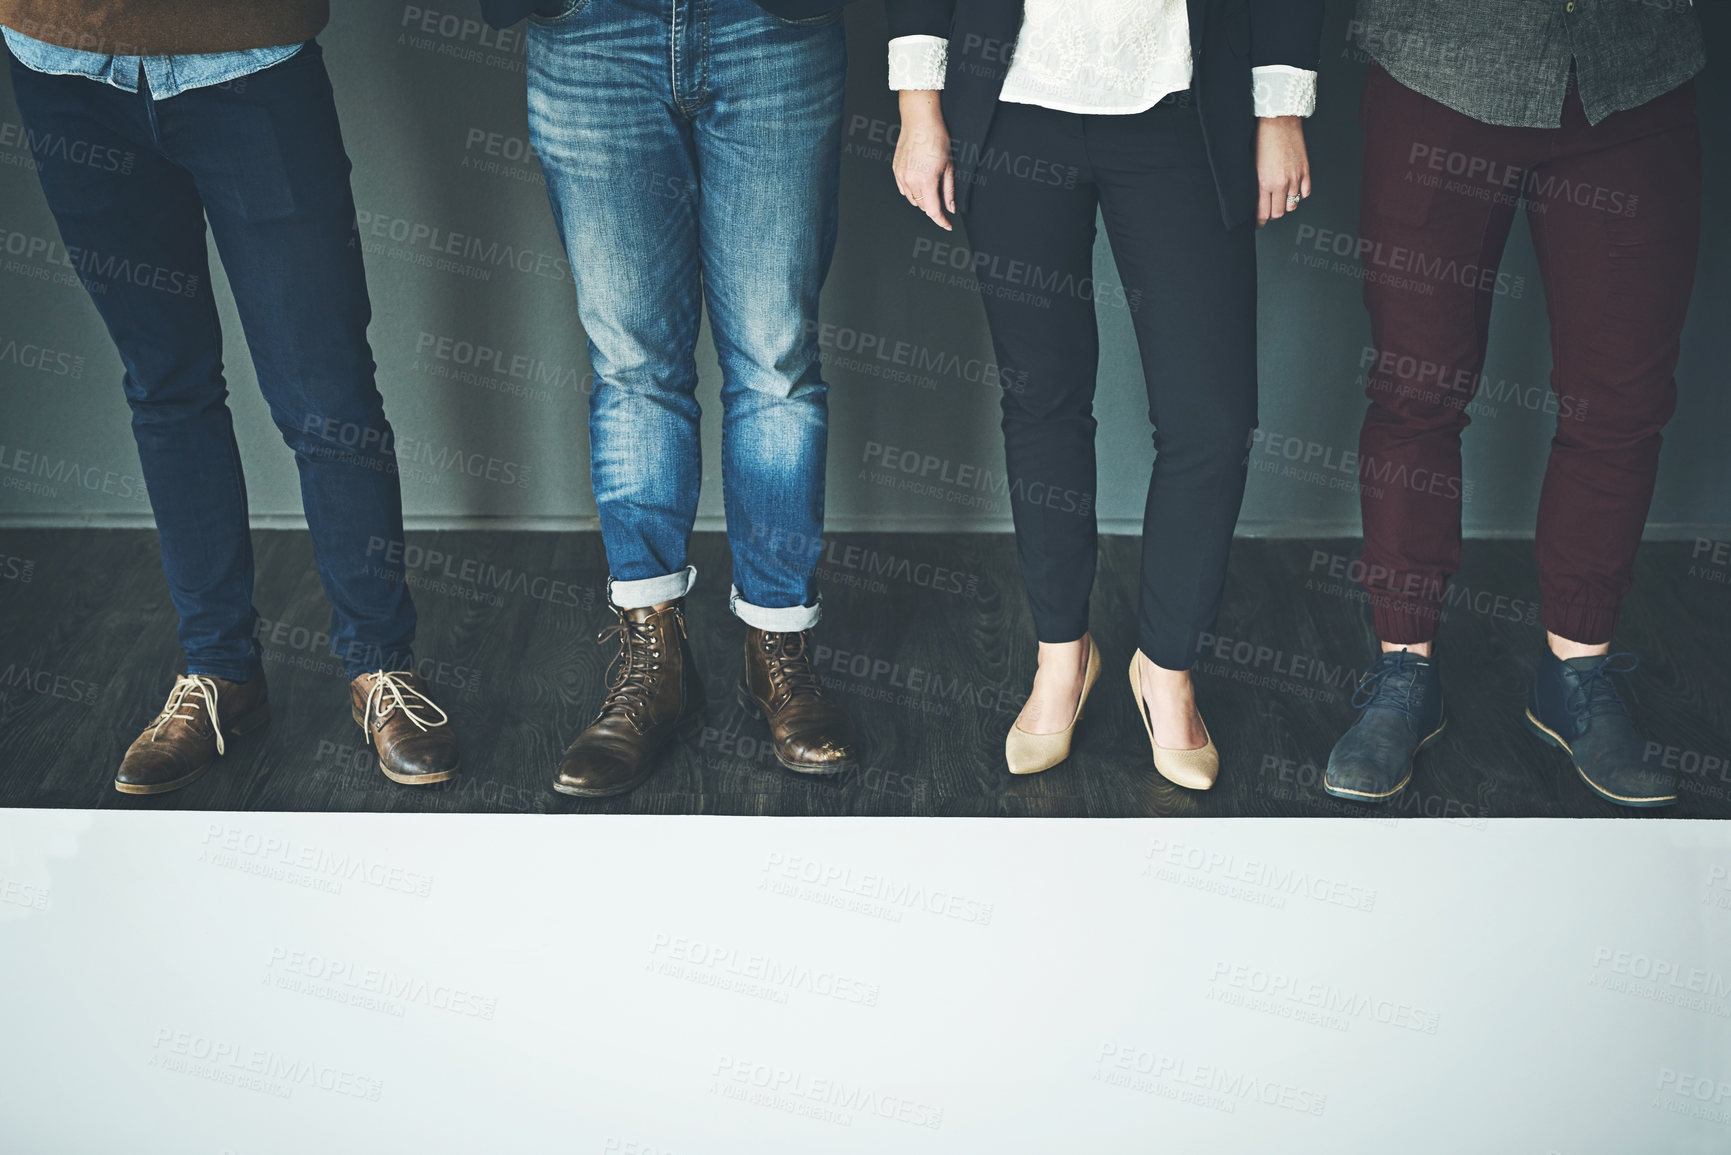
column 1189, row 285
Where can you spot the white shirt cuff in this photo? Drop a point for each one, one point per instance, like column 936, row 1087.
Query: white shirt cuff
column 917, row 63
column 1281, row 90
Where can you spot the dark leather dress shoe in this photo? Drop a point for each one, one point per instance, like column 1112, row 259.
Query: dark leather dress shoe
column 410, row 733
column 810, row 733
column 1573, row 705
column 653, row 692
column 192, row 730
column 1401, row 704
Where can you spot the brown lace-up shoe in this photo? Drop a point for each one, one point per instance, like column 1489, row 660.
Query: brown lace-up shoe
column 811, row 733
column 192, row 730
column 652, row 691
column 413, row 737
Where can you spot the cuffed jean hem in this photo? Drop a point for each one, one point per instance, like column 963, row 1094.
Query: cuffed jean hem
column 789, row 620
column 1582, row 624
column 636, row 595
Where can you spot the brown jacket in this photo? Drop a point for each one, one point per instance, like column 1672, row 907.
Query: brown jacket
column 164, row 27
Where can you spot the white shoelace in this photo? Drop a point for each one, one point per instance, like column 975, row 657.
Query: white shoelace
column 180, row 698
column 401, row 693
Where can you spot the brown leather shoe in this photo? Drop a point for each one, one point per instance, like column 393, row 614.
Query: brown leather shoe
column 652, row 692
column 780, row 684
column 413, row 737
column 202, row 714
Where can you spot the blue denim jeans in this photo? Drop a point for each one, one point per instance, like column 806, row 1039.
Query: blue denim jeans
column 692, row 150
column 263, row 162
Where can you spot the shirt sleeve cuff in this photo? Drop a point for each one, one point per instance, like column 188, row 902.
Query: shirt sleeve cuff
column 917, row 63
column 1280, row 90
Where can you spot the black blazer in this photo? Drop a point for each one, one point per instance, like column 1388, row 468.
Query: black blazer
column 504, row 13
column 1227, row 39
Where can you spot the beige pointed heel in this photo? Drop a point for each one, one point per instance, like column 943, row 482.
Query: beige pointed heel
column 1192, row 769
column 1026, row 753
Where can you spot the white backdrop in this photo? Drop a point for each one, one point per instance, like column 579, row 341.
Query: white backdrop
column 289, row 983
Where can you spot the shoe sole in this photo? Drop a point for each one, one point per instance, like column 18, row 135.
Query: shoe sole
column 1550, row 736
column 258, row 719
column 817, row 770
column 1366, row 796
column 681, row 729
column 418, row 779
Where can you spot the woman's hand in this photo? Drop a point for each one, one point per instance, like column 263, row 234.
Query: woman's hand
column 1282, row 167
column 924, row 172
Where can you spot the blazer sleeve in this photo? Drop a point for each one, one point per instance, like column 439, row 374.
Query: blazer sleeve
column 920, row 17
column 1286, row 32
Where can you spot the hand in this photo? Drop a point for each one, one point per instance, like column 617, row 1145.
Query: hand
column 1282, row 166
column 924, row 171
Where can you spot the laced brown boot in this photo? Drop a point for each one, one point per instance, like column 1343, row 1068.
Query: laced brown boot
column 652, row 691
column 406, row 728
column 780, row 684
column 202, row 714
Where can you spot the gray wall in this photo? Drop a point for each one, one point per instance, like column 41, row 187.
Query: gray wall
column 435, row 124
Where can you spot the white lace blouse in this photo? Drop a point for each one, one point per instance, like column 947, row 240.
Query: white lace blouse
column 1100, row 56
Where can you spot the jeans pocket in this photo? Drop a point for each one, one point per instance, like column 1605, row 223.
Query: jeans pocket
column 557, row 11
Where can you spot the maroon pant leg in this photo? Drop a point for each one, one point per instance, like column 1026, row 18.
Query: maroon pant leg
column 1616, row 219
column 1433, row 242
column 1615, row 213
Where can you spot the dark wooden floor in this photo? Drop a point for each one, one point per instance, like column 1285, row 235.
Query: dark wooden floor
column 928, row 640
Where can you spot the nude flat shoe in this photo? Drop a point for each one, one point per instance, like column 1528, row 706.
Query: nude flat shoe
column 1026, row 753
column 1193, row 769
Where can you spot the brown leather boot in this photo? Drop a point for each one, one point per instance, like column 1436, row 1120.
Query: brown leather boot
column 780, row 684
column 202, row 714
column 413, row 737
column 652, row 691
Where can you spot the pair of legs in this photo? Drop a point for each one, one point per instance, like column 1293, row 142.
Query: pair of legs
column 692, row 151
column 1189, row 285
column 263, row 163
column 1614, row 209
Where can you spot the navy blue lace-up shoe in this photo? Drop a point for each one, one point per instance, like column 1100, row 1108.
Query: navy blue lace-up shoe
column 1401, row 701
column 1575, row 706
